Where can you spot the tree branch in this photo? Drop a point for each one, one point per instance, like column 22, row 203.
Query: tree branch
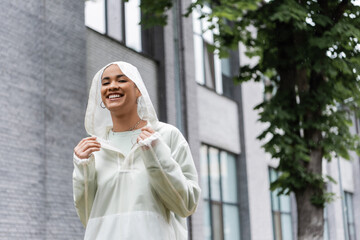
column 324, row 5
column 339, row 11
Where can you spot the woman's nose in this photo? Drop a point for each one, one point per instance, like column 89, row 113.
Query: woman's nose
column 113, row 85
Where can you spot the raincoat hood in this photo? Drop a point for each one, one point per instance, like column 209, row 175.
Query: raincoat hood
column 98, row 120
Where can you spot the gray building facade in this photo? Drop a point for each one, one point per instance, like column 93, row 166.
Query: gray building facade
column 43, row 98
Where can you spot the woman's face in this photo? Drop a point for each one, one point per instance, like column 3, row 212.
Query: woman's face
column 118, row 92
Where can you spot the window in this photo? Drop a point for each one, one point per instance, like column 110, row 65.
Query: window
column 349, row 212
column 219, row 190
column 211, row 71
column 117, row 19
column 281, row 212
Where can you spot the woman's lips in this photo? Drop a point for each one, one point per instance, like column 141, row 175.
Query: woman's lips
column 113, row 97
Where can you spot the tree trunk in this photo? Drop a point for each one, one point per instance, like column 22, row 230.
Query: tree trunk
column 310, row 217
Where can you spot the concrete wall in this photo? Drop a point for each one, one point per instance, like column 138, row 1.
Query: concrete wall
column 218, row 120
column 190, row 93
column 257, row 162
column 42, row 93
column 192, row 109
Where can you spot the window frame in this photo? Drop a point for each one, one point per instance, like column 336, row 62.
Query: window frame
column 209, row 200
column 218, row 81
column 123, row 38
column 348, row 196
column 279, row 212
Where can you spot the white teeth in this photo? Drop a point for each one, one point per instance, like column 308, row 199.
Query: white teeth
column 114, row 96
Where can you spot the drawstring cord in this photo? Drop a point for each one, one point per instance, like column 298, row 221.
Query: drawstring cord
column 86, row 194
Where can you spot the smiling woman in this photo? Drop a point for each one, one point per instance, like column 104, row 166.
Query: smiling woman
column 134, row 178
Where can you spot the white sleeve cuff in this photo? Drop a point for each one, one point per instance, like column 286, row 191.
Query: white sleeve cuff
column 148, row 141
column 84, row 161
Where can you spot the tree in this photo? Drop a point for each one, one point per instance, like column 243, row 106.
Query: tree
column 309, row 52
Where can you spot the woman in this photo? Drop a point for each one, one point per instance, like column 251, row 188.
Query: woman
column 134, row 178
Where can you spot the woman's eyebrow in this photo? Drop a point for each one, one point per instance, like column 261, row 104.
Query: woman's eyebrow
column 117, row 76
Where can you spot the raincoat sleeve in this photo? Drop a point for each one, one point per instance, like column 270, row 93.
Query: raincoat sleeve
column 172, row 172
column 84, row 186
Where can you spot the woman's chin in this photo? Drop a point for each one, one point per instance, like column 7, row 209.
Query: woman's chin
column 115, row 108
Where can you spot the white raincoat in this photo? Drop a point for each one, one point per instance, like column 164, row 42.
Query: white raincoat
column 144, row 195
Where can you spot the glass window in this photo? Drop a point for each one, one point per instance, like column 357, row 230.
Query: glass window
column 208, row 65
column 219, row 181
column 227, row 79
column 231, row 222
column 281, row 211
column 95, row 15
column 132, row 20
column 285, row 203
column 114, row 20
column 204, row 172
column 214, row 174
column 216, row 218
column 122, row 20
column 228, row 177
column 226, row 67
column 286, row 229
column 207, row 222
column 218, row 74
column 349, row 211
column 199, row 59
column 275, row 201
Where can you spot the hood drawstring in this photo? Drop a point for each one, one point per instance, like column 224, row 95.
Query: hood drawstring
column 86, row 194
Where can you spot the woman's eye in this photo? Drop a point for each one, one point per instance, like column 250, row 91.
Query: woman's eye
column 122, row 81
column 105, row 83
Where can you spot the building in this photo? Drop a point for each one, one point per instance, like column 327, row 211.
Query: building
column 49, row 56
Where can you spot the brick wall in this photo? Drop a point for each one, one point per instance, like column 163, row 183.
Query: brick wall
column 42, row 96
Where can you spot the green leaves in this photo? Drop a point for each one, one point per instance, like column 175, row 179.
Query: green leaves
column 309, row 55
column 289, row 11
column 154, row 12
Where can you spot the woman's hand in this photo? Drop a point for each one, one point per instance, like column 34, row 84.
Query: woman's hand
column 86, row 147
column 145, row 133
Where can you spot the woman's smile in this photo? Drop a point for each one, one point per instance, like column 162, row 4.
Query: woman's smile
column 115, row 100
column 115, row 96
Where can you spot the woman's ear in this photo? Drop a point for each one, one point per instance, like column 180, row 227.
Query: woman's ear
column 138, row 93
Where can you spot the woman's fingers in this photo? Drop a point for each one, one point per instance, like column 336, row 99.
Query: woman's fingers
column 145, row 133
column 90, row 151
column 87, row 146
column 141, row 136
column 147, row 129
column 86, row 141
column 90, row 145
